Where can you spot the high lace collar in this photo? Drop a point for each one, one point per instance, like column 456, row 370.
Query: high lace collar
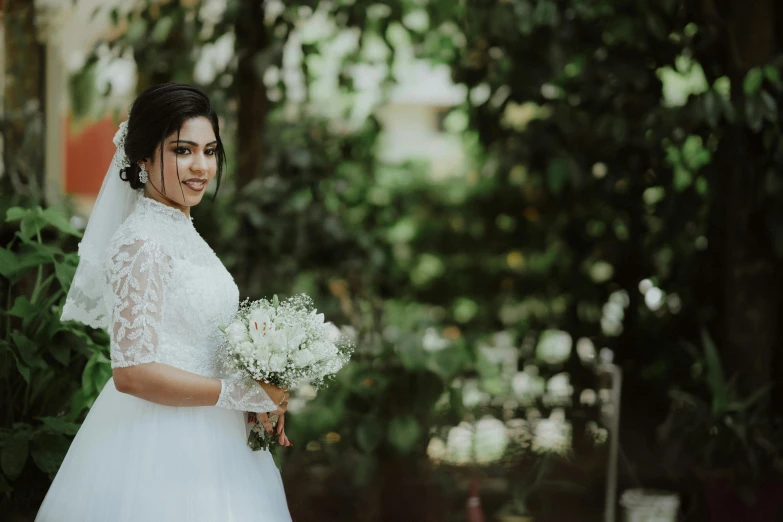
column 156, row 206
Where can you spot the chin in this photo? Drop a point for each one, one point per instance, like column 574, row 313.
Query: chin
column 192, row 200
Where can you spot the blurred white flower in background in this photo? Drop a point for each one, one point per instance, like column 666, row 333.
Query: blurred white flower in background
column 433, row 341
column 585, row 349
column 553, row 435
column 436, row 450
column 601, row 271
column 558, row 390
column 654, row 299
column 598, row 434
column 502, row 353
column 528, row 385
column 472, row 395
column 459, row 444
column 213, row 59
column 588, row 397
column 482, row 443
column 554, row 346
column 491, row 440
column 614, row 313
column 519, row 432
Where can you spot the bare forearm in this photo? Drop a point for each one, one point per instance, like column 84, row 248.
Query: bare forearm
column 167, row 385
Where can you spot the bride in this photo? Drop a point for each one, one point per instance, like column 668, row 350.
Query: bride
column 166, row 439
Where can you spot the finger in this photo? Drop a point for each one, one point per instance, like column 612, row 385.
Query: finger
column 288, row 442
column 251, row 418
column 266, row 422
column 280, row 423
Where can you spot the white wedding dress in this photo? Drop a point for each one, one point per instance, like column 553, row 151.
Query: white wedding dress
column 136, row 461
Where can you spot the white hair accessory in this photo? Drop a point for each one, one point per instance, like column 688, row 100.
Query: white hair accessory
column 119, row 140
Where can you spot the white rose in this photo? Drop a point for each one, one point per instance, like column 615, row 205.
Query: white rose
column 303, row 358
column 332, row 332
column 277, row 362
column 236, row 333
column 257, row 353
column 276, row 341
column 295, row 336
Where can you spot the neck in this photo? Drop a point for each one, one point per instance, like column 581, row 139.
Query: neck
column 153, row 193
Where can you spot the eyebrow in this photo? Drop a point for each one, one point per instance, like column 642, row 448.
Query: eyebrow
column 193, row 142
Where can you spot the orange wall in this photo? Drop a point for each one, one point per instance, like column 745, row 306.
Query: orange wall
column 88, row 151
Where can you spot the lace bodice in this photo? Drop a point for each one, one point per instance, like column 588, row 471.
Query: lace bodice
column 167, row 294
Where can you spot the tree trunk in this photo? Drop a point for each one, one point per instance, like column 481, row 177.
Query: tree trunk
column 751, row 292
column 252, row 39
column 24, row 95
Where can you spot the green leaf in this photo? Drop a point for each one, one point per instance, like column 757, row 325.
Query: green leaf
column 162, row 29
column 60, row 222
column 9, row 264
column 137, row 30
column 65, row 273
column 23, row 308
column 60, row 425
column 772, row 75
column 411, row 354
column 770, row 105
column 682, row 178
column 31, row 256
column 404, row 433
column 369, row 434
column 14, row 455
column 48, row 451
column 32, row 223
column 446, row 362
column 23, row 370
column 88, row 383
column 15, row 214
column 558, row 174
column 27, row 349
column 694, row 153
column 61, row 353
column 715, row 378
column 752, row 81
column 754, row 113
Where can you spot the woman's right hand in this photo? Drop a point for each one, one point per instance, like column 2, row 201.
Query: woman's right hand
column 277, row 394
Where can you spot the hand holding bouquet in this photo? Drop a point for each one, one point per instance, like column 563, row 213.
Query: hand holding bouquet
column 283, row 343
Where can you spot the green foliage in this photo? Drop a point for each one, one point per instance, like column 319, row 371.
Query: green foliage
column 51, row 371
column 717, row 430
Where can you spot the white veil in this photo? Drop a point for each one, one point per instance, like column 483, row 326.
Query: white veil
column 115, row 202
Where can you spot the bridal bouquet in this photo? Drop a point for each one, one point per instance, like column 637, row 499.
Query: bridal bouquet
column 283, row 343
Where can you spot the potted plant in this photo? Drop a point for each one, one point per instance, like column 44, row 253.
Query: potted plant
column 730, row 442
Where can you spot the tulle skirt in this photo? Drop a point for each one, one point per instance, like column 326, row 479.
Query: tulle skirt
column 136, row 461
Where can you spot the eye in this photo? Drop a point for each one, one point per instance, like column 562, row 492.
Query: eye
column 211, row 152
column 181, row 150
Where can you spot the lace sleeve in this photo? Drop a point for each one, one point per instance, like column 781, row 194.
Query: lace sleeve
column 138, row 273
column 244, row 394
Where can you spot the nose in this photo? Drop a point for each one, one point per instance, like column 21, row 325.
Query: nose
column 199, row 163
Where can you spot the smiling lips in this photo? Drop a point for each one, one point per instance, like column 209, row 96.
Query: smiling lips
column 196, row 184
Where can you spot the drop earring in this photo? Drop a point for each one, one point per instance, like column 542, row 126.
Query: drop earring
column 143, row 176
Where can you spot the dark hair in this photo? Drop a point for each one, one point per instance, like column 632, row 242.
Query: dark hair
column 158, row 112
